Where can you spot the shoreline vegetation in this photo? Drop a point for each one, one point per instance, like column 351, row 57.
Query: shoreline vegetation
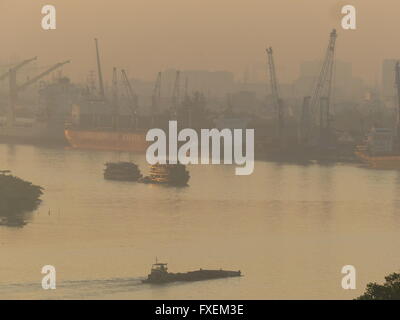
column 390, row 290
column 17, row 195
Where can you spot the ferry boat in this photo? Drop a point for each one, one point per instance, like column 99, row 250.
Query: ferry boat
column 159, row 274
column 171, row 174
column 122, row 171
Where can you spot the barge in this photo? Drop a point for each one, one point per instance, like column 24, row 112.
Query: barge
column 159, row 274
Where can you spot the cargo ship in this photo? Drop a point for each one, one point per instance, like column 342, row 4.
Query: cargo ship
column 379, row 150
column 384, row 162
column 102, row 123
column 106, row 140
column 95, row 125
column 159, row 274
column 31, row 131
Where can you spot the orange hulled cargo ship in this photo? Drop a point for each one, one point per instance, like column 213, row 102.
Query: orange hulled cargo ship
column 106, row 140
column 94, row 125
column 102, row 123
column 381, row 149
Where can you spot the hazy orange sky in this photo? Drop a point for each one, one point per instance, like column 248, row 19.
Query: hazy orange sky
column 146, row 36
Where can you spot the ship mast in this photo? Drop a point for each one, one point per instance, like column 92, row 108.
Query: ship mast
column 176, row 95
column 100, row 74
column 115, row 102
column 132, row 97
column 276, row 94
column 156, row 97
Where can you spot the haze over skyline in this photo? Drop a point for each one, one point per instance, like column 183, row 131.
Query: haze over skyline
column 148, row 36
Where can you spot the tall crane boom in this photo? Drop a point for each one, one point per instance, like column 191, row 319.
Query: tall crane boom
column 43, row 74
column 15, row 89
column 176, row 94
column 324, row 83
column 16, row 68
column 278, row 103
column 115, row 98
column 100, row 74
column 132, row 97
column 272, row 76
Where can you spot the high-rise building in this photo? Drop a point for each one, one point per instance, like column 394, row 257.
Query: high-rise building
column 388, row 79
column 211, row 83
column 345, row 87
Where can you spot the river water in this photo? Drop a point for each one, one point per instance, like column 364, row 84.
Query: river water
column 289, row 229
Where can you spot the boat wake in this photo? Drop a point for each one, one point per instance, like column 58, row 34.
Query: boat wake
column 71, row 289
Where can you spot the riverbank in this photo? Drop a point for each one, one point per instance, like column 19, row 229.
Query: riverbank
column 17, row 195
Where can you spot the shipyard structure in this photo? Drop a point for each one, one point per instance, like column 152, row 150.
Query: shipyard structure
column 112, row 118
column 47, row 124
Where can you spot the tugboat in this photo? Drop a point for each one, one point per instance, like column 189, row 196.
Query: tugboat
column 171, row 174
column 122, row 171
column 159, row 274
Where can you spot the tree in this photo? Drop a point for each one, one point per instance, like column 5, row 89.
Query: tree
column 390, row 290
column 17, row 195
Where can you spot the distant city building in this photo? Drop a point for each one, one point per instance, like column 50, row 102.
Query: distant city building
column 345, row 86
column 214, row 84
column 244, row 101
column 388, row 79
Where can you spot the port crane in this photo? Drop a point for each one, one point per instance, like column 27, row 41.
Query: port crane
column 278, row 103
column 115, row 102
column 100, row 74
column 156, row 94
column 16, row 68
column 15, row 89
column 40, row 76
column 131, row 95
column 322, row 93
